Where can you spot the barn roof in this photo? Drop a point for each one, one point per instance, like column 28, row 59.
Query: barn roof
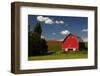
column 67, row 37
column 79, row 38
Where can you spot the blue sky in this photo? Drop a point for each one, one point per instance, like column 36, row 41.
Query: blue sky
column 58, row 27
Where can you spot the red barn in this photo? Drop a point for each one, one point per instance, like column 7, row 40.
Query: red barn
column 70, row 43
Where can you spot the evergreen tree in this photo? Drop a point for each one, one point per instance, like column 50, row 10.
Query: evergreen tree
column 38, row 29
column 37, row 46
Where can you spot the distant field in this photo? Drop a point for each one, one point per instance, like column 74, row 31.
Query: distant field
column 55, row 52
column 54, row 45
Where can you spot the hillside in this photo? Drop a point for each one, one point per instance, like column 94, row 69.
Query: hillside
column 54, row 45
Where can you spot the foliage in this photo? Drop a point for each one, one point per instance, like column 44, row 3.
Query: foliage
column 44, row 46
column 38, row 28
column 83, row 46
column 37, row 46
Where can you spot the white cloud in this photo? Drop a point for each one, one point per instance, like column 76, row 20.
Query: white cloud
column 59, row 22
column 45, row 18
column 84, row 30
column 65, row 32
column 40, row 18
column 53, row 33
column 48, row 20
column 62, row 22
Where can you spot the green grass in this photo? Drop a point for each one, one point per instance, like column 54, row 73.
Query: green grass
column 61, row 55
column 57, row 53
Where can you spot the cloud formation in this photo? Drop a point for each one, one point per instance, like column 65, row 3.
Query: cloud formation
column 84, row 30
column 48, row 20
column 59, row 22
column 65, row 32
column 53, row 33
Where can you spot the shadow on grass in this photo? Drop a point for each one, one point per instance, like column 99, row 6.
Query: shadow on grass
column 49, row 53
column 62, row 52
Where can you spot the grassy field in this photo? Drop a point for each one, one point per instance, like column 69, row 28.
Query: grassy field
column 55, row 52
column 61, row 55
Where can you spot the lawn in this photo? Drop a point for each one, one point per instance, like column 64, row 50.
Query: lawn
column 61, row 55
column 55, row 52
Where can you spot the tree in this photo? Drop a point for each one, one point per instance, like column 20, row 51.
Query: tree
column 82, row 45
column 37, row 46
column 38, row 29
column 44, row 46
column 34, row 44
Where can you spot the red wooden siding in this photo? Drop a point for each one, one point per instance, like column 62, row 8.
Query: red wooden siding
column 70, row 42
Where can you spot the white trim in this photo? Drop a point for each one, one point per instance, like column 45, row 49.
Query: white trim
column 66, row 49
column 74, row 49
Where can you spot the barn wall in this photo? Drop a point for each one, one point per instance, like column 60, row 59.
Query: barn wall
column 70, row 42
